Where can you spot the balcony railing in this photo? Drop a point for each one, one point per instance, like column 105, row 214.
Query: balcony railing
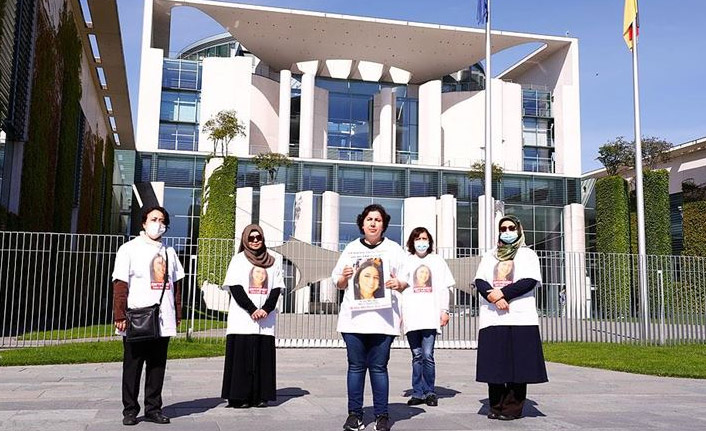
column 407, row 157
column 350, row 154
column 538, row 164
column 537, row 112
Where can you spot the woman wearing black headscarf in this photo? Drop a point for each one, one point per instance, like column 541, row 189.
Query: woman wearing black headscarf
column 509, row 346
column 254, row 278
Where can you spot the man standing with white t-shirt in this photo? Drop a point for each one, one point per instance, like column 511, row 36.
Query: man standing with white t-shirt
column 144, row 267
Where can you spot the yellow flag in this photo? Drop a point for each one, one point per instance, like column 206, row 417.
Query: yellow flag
column 630, row 17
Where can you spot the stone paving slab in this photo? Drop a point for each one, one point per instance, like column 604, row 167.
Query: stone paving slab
column 312, row 396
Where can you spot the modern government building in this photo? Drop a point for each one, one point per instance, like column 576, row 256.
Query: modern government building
column 369, row 110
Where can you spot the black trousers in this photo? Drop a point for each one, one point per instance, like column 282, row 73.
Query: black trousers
column 507, row 399
column 135, row 355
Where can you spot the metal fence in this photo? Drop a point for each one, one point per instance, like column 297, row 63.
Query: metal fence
column 56, row 288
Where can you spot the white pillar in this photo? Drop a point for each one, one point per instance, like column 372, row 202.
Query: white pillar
column 285, row 105
column 272, row 213
column 446, row 226
column 416, row 214
column 243, row 212
column 430, row 152
column 384, row 127
column 330, row 207
column 303, row 215
column 306, row 116
column 578, row 289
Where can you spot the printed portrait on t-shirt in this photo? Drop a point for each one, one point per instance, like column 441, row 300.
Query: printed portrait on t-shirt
column 258, row 281
column 158, row 272
column 421, row 279
column 504, row 273
column 368, row 281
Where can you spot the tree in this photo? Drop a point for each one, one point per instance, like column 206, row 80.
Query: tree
column 223, row 128
column 271, row 162
column 654, row 151
column 478, row 172
column 614, row 155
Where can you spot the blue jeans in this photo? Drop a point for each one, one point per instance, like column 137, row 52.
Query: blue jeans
column 423, row 368
column 368, row 352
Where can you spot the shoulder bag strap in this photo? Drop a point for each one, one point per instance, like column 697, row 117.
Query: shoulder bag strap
column 166, row 275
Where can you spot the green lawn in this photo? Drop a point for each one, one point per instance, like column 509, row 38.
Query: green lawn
column 687, row 360
column 97, row 331
column 677, row 361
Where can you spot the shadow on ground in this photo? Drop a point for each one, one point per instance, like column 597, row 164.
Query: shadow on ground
column 201, row 405
column 529, row 411
column 440, row 392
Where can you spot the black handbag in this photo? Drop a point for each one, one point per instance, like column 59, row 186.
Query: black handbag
column 143, row 322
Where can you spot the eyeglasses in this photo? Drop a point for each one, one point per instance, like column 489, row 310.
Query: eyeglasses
column 254, row 238
column 511, row 228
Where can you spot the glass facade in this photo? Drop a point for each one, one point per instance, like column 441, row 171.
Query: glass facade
column 180, row 105
column 537, row 131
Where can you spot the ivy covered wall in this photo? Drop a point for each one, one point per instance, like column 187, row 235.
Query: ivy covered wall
column 52, row 167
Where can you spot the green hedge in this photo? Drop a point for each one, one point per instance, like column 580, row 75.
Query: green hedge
column 217, row 228
column 657, row 224
column 694, row 222
column 70, row 53
column 613, row 241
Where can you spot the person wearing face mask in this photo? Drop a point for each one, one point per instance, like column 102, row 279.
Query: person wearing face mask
column 425, row 310
column 509, row 344
column 144, row 267
column 254, row 279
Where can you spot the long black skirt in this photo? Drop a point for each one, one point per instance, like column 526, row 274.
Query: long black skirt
column 249, row 371
column 510, row 354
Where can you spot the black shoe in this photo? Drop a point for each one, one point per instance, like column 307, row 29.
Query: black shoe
column 432, row 400
column 414, row 401
column 237, row 404
column 157, row 418
column 503, row 417
column 129, row 420
column 382, row 423
column 262, row 404
column 493, row 415
column 353, row 423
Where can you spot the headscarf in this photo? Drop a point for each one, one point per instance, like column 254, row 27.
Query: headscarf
column 259, row 257
column 508, row 251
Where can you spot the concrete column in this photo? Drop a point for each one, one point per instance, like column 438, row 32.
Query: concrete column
column 306, row 117
column 430, row 151
column 416, row 214
column 285, row 108
column 272, row 213
column 303, row 215
column 384, row 127
column 329, row 240
column 446, row 226
column 578, row 287
column 243, row 212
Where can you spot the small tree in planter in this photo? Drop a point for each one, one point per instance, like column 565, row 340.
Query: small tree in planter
column 271, row 162
column 615, row 155
column 223, row 128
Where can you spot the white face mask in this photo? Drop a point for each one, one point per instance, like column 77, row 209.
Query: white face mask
column 421, row 246
column 155, row 230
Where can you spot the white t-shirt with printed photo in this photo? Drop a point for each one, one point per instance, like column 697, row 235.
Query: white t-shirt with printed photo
column 427, row 294
column 142, row 265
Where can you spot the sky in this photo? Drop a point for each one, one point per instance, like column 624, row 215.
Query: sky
column 671, row 49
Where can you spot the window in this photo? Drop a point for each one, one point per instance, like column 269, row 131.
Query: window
column 407, row 130
column 180, row 106
column 537, row 132
column 182, row 137
column 181, row 74
column 423, row 183
column 536, row 103
column 538, row 159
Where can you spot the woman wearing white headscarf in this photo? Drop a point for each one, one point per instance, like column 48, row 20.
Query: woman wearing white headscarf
column 509, row 345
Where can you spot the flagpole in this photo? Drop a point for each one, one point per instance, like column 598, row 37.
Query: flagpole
column 489, row 237
column 641, row 248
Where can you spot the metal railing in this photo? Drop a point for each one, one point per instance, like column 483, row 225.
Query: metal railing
column 56, row 288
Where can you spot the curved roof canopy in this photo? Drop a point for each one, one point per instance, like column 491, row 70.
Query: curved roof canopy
column 283, row 37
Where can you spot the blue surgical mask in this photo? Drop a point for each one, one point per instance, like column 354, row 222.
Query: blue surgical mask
column 508, row 237
column 421, row 246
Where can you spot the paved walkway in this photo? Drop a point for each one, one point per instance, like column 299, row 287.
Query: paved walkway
column 311, row 396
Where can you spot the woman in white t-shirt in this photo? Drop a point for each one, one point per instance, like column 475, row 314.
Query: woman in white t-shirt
column 509, row 345
column 144, row 267
column 369, row 322
column 425, row 304
column 254, row 279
